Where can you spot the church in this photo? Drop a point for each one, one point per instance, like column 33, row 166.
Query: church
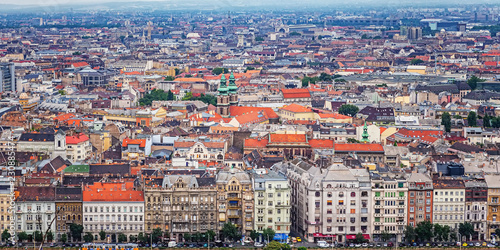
column 227, row 97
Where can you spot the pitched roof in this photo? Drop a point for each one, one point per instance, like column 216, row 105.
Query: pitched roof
column 141, row 142
column 112, row 192
column 296, row 108
column 358, row 147
column 241, row 110
column 295, row 93
column 255, row 143
column 321, row 143
column 75, row 139
column 36, row 193
column 288, row 138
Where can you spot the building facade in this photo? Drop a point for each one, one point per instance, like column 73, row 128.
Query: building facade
column 68, row 202
column 272, row 204
column 476, row 204
column 35, row 209
column 420, row 197
column 448, row 202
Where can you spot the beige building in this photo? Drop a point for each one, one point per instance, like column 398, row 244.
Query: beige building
column 235, row 199
column 183, row 204
column 272, row 203
column 449, row 202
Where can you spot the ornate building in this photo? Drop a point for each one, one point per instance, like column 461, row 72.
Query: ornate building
column 235, row 199
column 228, row 96
column 69, row 209
column 184, row 204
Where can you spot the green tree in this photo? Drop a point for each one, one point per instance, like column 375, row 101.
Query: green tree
column 218, row 71
column 259, row 39
column 302, row 248
column 273, row 245
column 360, row 238
column 486, row 121
column 88, row 237
column 295, row 33
column 446, row 121
column 64, row 238
column 142, row 238
column 49, row 236
column 410, row 234
column 268, row 234
column 472, row 119
column 132, row 238
column 156, row 95
column 309, row 80
column 438, row 232
column 22, row 236
column 348, row 109
column 102, row 235
column 466, row 229
column 445, row 233
column 122, row 237
column 386, row 236
column 340, row 80
column 254, row 235
column 76, row 231
column 416, row 61
column 157, row 234
column 473, row 81
column 187, row 237
column 177, row 71
column 325, row 77
column 211, row 235
column 38, row 236
column 169, row 78
column 5, row 235
column 457, row 116
column 230, row 231
column 352, row 140
column 424, row 231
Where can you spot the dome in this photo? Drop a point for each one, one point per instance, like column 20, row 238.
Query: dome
column 24, row 96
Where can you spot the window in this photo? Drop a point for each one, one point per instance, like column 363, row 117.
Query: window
column 341, row 202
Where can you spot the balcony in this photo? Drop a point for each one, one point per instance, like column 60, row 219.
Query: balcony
column 233, row 216
column 378, row 206
column 180, row 220
column 401, row 198
column 379, row 198
column 248, row 219
column 248, row 210
column 282, row 223
column 378, row 223
column 378, row 215
column 180, row 230
column 401, row 215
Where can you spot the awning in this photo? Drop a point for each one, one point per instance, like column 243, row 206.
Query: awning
column 280, row 237
column 367, row 236
column 353, row 236
column 323, row 235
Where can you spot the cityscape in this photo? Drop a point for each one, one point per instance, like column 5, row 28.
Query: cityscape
column 249, row 125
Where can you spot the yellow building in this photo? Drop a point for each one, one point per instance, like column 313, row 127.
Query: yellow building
column 5, row 216
column 416, row 69
column 493, row 213
column 297, row 112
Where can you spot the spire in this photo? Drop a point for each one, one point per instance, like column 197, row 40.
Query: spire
column 365, row 135
column 232, row 88
column 222, row 87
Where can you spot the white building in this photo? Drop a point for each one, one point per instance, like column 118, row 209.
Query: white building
column 449, row 202
column 78, row 147
column 114, row 208
column 272, row 203
column 35, row 209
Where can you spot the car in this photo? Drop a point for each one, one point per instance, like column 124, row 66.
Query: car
column 378, row 245
column 445, row 244
column 258, row 244
column 364, row 244
column 464, row 244
column 490, row 245
column 180, row 245
column 351, row 244
column 299, row 239
column 371, row 245
column 322, row 244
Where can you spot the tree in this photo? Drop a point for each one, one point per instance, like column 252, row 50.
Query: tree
column 348, row 109
column 466, row 229
column 325, row 77
column 157, row 234
column 438, row 231
column 156, row 95
column 142, row 238
column 386, row 236
column 457, row 116
column 88, row 237
column 22, row 236
column 352, row 140
column 472, row 119
column 211, row 235
column 259, row 39
column 302, row 248
column 187, row 237
column 424, row 231
column 486, row 121
column 76, row 231
column 102, row 235
column 49, row 236
column 132, row 238
column 230, row 231
column 218, row 71
column 446, row 121
column 410, row 234
column 445, row 233
column 122, row 237
column 273, row 245
column 268, row 234
column 5, row 235
column 295, row 33
column 416, row 61
column 360, row 238
column 169, row 78
column 473, row 81
column 64, row 238
column 38, row 236
column 254, row 235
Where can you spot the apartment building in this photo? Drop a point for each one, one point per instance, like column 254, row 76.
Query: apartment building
column 448, row 202
column 68, row 202
column 331, row 204
column 420, row 197
column 114, row 208
column 476, row 204
column 35, row 209
column 183, row 204
column 272, row 203
column 390, row 196
column 235, row 199
column 493, row 182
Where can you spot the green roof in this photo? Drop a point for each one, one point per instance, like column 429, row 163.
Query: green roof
column 77, row 169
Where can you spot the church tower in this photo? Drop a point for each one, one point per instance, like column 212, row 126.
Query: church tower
column 365, row 135
column 59, row 144
column 223, row 98
column 232, row 91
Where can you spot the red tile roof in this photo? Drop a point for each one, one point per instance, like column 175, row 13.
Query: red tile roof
column 359, row 147
column 334, row 116
column 416, row 133
column 321, row 143
column 109, row 192
column 255, row 143
column 141, row 142
column 240, row 110
column 295, row 93
column 288, row 138
column 75, row 139
column 296, row 108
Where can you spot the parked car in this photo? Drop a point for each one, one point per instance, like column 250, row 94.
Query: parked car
column 364, row 244
column 258, row 244
column 299, row 239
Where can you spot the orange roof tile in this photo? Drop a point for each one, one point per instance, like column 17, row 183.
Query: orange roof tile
column 112, row 192
column 295, row 93
column 240, row 110
column 321, row 143
column 288, row 138
column 75, row 139
column 296, row 108
column 357, row 147
column 255, row 143
column 141, row 142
